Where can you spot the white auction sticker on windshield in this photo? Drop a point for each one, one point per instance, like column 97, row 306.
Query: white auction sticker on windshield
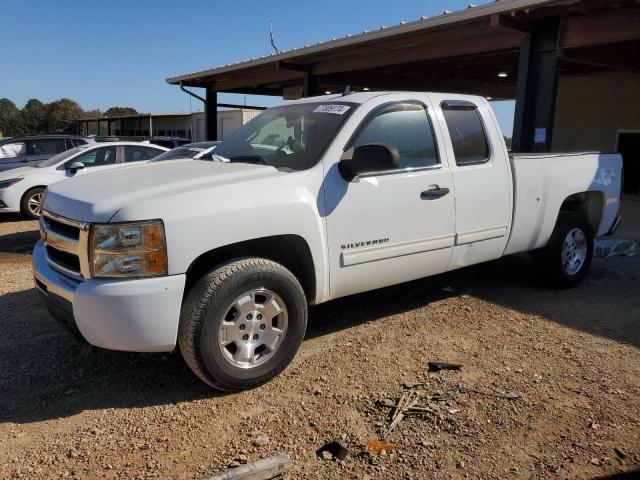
column 337, row 109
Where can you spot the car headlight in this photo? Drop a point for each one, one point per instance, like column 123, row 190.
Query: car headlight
column 10, row 182
column 136, row 249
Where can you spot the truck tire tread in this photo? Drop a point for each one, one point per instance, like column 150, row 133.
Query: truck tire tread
column 194, row 313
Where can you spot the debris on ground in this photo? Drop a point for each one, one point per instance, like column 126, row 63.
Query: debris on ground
column 263, row 469
column 332, row 451
column 438, row 366
column 376, row 446
column 614, row 247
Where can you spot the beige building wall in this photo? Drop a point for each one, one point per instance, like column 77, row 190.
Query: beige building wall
column 591, row 109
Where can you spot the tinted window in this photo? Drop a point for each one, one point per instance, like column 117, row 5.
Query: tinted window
column 47, row 146
column 97, row 157
column 163, row 143
column 467, row 135
column 77, row 142
column 138, row 153
column 406, row 127
column 13, row 150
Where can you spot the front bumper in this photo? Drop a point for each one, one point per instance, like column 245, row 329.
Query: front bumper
column 9, row 200
column 138, row 315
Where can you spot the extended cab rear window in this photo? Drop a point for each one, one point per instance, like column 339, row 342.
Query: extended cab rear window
column 468, row 137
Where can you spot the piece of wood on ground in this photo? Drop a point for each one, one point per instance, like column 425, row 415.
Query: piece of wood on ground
column 263, row 469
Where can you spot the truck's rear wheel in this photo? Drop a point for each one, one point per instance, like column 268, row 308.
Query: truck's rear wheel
column 242, row 323
column 565, row 260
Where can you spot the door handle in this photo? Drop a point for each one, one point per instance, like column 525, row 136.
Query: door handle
column 434, row 192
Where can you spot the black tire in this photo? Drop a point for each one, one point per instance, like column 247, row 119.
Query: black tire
column 548, row 261
column 209, row 300
column 25, row 208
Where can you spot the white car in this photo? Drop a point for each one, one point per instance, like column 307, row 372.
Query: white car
column 21, row 188
column 310, row 201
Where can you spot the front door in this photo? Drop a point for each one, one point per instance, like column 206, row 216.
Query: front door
column 397, row 225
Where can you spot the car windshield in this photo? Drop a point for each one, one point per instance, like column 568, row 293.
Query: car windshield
column 290, row 137
column 180, row 152
column 60, row 157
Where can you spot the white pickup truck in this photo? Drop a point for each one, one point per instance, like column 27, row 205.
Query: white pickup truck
column 312, row 200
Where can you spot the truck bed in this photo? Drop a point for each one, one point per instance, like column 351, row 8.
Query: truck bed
column 542, row 182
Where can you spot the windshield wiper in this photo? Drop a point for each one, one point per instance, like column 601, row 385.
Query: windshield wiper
column 255, row 159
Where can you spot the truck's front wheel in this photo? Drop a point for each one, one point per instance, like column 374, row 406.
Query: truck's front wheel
column 242, row 323
column 565, row 260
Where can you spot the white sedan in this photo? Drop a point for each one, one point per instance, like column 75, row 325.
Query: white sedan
column 21, row 188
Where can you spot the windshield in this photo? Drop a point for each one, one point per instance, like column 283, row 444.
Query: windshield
column 290, row 137
column 60, row 157
column 180, row 152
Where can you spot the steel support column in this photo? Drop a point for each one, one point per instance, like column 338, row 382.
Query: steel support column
column 310, row 85
column 211, row 115
column 537, row 87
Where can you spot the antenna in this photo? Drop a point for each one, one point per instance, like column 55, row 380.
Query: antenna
column 273, row 44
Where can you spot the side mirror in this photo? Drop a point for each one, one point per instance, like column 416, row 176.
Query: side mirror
column 75, row 166
column 373, row 157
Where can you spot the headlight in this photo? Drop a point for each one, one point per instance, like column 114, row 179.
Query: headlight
column 10, row 182
column 129, row 249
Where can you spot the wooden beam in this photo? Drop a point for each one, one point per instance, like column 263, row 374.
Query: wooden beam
column 292, row 66
column 601, row 29
column 472, row 44
column 508, row 23
column 623, row 57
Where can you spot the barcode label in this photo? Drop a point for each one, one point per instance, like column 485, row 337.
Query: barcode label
column 336, row 109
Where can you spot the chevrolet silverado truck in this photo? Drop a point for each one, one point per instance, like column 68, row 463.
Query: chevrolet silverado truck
column 312, row 200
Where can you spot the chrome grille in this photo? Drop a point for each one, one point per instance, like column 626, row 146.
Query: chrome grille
column 67, row 243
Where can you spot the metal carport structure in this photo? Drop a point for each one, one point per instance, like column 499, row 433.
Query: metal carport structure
column 508, row 49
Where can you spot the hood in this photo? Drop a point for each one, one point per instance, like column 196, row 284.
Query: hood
column 96, row 197
column 17, row 170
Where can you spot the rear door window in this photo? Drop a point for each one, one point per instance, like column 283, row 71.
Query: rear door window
column 135, row 153
column 468, row 137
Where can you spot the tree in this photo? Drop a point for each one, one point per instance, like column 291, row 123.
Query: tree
column 11, row 123
column 119, row 111
column 34, row 115
column 63, row 115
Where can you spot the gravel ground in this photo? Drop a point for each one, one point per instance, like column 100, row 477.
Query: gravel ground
column 573, row 358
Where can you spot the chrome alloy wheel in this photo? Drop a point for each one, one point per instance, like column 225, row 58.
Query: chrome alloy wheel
column 34, row 204
column 253, row 328
column 574, row 251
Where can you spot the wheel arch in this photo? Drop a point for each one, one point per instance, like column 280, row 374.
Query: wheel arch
column 26, row 192
column 291, row 251
column 590, row 204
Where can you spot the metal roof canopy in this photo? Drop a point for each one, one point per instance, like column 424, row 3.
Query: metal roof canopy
column 462, row 51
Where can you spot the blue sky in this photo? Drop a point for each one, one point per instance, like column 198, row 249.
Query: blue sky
column 118, row 53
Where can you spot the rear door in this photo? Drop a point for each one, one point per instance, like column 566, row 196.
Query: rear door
column 482, row 179
column 391, row 226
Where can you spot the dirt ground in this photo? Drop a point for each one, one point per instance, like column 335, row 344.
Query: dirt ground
column 573, row 358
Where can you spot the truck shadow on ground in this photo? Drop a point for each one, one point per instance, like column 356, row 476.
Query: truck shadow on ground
column 46, row 373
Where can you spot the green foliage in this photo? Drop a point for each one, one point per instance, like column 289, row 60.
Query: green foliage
column 60, row 116
column 11, row 121
column 34, row 115
column 119, row 111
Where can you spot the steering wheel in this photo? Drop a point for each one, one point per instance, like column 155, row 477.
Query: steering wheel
column 291, row 143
